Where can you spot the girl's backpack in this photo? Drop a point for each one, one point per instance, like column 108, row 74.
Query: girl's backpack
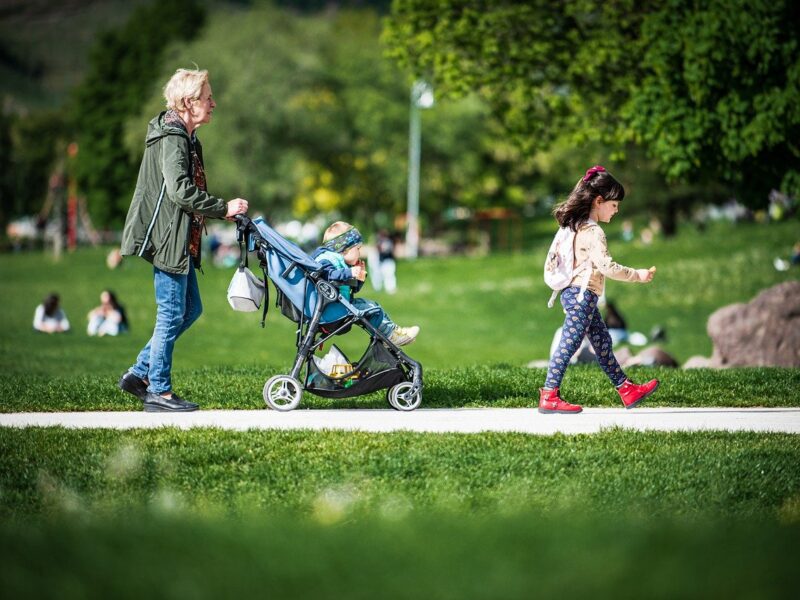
column 560, row 268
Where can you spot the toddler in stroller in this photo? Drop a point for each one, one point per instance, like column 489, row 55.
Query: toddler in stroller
column 323, row 310
column 341, row 262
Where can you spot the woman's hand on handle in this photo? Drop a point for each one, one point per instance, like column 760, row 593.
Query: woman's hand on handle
column 237, row 206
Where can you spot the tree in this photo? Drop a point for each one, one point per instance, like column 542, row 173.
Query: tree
column 313, row 119
column 122, row 66
column 709, row 90
column 30, row 148
column 6, row 180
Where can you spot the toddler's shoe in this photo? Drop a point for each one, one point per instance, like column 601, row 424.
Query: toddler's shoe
column 633, row 394
column 402, row 336
column 550, row 402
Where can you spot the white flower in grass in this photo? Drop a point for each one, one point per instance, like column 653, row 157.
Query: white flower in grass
column 125, row 462
column 167, row 501
column 332, row 504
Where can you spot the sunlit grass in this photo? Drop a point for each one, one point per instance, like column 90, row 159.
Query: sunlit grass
column 51, row 470
column 472, row 310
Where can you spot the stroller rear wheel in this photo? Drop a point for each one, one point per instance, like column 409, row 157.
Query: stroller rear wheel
column 400, row 397
column 282, row 392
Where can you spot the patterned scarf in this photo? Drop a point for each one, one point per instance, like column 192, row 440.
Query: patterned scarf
column 348, row 239
column 173, row 119
column 198, row 221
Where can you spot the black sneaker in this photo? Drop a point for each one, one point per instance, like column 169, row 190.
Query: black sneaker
column 133, row 385
column 158, row 403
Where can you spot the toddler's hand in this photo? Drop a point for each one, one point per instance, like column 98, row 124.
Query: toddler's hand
column 646, row 275
column 359, row 271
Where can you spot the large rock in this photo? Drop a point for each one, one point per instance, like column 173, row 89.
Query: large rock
column 764, row 332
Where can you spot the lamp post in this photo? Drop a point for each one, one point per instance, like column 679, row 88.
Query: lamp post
column 421, row 98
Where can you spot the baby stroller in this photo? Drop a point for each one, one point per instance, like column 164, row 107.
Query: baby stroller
column 321, row 313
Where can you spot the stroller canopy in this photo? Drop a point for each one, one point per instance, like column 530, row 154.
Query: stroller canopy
column 288, row 265
column 288, row 249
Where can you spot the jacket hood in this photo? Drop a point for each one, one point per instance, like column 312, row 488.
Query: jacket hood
column 158, row 128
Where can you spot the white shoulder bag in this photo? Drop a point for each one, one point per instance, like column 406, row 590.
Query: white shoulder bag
column 246, row 291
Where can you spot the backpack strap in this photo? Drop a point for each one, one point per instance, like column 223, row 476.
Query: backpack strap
column 587, row 276
column 585, row 268
column 553, row 297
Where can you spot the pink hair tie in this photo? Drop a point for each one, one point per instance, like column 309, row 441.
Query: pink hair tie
column 592, row 172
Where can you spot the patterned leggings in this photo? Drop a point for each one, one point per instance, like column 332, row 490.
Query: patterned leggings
column 582, row 315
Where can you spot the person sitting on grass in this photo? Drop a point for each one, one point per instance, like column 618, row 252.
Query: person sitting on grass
column 107, row 319
column 49, row 317
column 340, row 257
column 594, row 199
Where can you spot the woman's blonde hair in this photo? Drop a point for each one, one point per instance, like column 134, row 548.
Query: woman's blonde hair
column 185, row 83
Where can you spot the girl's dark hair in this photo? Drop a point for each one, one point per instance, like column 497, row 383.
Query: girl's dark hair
column 576, row 208
column 50, row 304
column 118, row 307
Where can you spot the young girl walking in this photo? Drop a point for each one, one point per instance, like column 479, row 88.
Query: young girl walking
column 595, row 199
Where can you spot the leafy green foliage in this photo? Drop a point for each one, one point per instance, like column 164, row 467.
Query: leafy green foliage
column 121, row 70
column 317, row 123
column 706, row 89
column 32, row 149
column 718, row 92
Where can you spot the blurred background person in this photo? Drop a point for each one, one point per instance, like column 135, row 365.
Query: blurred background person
column 49, row 317
column 386, row 262
column 107, row 319
column 617, row 328
column 794, row 259
column 627, row 230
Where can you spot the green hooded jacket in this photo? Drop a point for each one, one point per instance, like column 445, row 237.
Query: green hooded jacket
column 157, row 225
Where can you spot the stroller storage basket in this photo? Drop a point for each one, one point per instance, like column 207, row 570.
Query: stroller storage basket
column 376, row 370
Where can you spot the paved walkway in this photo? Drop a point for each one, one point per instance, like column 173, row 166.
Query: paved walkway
column 465, row 420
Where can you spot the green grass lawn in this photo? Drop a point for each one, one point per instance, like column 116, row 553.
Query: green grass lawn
column 211, row 471
column 482, row 320
column 426, row 555
column 466, row 387
column 209, row 513
column 472, row 311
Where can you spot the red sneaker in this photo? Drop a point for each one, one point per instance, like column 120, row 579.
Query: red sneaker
column 632, row 394
column 550, row 402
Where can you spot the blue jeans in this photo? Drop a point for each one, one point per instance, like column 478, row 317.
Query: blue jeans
column 378, row 319
column 581, row 317
column 178, row 306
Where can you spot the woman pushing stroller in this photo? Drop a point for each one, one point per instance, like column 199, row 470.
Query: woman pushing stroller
column 340, row 258
column 595, row 199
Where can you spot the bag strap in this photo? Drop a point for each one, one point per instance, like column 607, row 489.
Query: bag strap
column 553, row 297
column 244, row 242
column 265, row 270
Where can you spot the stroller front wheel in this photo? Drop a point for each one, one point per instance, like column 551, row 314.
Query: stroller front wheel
column 282, row 392
column 400, row 397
